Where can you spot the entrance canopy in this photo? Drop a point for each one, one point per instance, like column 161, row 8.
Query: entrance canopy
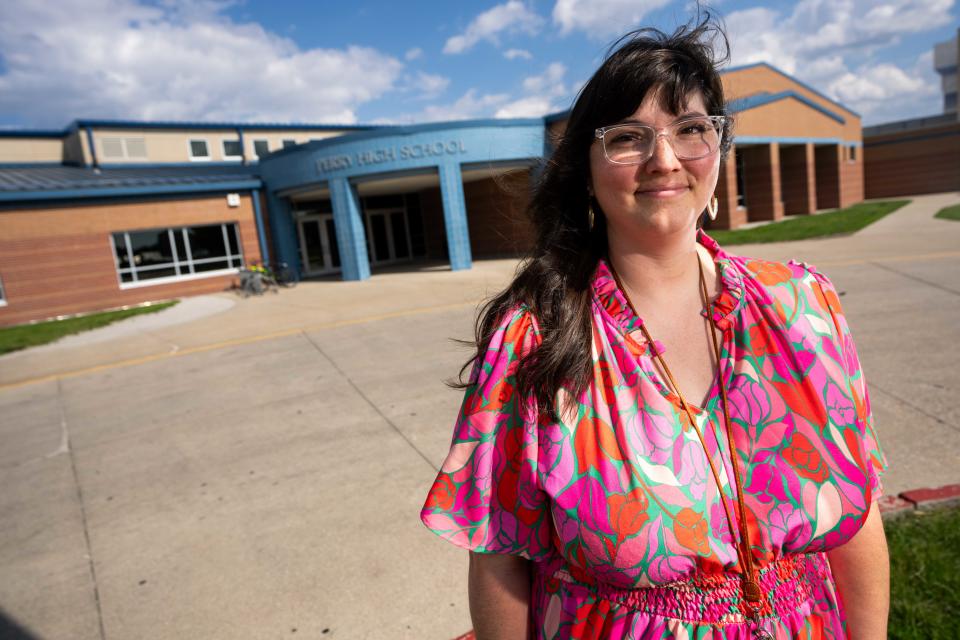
column 343, row 168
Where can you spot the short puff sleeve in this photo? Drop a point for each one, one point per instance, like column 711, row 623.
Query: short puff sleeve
column 487, row 496
column 866, row 446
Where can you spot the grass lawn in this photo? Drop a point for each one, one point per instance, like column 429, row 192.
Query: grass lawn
column 31, row 335
column 925, row 575
column 833, row 223
column 949, row 213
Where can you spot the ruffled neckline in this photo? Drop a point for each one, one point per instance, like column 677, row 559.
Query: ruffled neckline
column 726, row 304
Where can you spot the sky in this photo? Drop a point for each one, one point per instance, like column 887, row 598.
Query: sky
column 396, row 62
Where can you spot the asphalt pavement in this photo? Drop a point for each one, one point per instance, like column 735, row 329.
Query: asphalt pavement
column 254, row 468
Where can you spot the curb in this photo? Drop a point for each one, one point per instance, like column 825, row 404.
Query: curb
column 926, row 499
column 891, row 508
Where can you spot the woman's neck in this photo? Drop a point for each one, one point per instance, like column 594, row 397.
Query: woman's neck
column 663, row 273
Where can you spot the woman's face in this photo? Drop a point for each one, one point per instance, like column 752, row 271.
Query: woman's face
column 664, row 194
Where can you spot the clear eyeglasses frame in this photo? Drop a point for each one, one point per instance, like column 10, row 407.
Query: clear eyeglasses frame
column 691, row 138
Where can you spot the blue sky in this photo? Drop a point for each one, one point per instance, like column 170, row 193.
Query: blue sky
column 397, row 62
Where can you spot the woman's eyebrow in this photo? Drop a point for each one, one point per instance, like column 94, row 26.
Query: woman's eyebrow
column 683, row 116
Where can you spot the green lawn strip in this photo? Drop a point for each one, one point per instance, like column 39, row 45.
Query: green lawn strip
column 925, row 575
column 31, row 335
column 837, row 222
column 949, row 213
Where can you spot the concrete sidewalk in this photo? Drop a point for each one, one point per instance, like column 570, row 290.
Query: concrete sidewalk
column 257, row 472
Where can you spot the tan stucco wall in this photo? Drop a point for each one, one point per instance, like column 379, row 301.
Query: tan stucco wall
column 275, row 139
column 173, row 145
column 747, row 82
column 31, row 149
column 790, row 118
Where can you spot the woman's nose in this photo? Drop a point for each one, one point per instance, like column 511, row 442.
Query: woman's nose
column 663, row 158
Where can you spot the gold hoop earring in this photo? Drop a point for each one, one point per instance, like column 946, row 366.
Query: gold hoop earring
column 591, row 218
column 713, row 208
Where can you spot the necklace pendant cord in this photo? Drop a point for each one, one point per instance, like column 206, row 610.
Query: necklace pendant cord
column 753, row 594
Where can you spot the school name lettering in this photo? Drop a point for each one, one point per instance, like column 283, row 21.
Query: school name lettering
column 390, row 154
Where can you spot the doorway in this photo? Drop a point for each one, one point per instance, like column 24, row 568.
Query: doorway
column 319, row 253
column 388, row 235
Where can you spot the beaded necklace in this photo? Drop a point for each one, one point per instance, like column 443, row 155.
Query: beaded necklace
column 753, row 595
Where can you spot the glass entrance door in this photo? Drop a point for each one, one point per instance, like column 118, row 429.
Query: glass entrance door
column 319, row 252
column 388, row 236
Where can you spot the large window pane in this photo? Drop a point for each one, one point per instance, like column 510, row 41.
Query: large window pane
column 120, row 249
column 176, row 253
column 151, row 247
column 206, row 242
column 232, row 237
column 215, row 265
column 151, row 274
column 261, row 148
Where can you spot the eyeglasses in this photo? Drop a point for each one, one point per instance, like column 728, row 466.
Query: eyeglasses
column 691, row 138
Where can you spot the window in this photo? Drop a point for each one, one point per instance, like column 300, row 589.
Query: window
column 160, row 255
column 853, row 153
column 3, row 295
column 289, row 143
column 232, row 150
column 199, row 150
column 261, row 148
column 117, row 148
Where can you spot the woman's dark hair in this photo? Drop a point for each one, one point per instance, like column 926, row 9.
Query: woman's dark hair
column 554, row 281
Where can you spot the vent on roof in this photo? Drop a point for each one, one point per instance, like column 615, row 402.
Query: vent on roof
column 123, row 148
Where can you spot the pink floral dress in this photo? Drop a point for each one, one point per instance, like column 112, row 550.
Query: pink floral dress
column 614, row 503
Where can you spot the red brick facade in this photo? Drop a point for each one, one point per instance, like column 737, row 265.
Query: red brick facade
column 912, row 162
column 59, row 260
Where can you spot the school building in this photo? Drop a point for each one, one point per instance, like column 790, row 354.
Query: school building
column 108, row 213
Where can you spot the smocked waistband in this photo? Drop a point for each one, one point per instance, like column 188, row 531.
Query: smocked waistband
column 787, row 585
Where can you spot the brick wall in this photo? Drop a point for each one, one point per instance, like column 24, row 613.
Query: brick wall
column 762, row 181
column 828, row 176
column 729, row 216
column 59, row 260
column 496, row 215
column 797, row 180
column 912, row 162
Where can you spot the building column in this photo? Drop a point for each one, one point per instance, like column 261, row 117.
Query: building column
column 797, row 178
column 455, row 216
column 763, row 182
column 283, row 232
column 261, row 231
column 828, row 159
column 348, row 221
column 729, row 215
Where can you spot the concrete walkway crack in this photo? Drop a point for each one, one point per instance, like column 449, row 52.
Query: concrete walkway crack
column 916, row 408
column 369, row 401
column 915, row 278
column 83, row 510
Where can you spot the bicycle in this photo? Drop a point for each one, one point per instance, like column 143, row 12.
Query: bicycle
column 283, row 275
column 256, row 280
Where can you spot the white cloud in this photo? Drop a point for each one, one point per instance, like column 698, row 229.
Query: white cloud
column 529, row 107
column 430, row 85
column 549, row 83
column 511, row 17
column 413, row 54
column 834, row 45
column 603, row 18
column 176, row 60
column 513, row 54
column 469, row 105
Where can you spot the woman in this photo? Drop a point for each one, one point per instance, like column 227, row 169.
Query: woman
column 660, row 439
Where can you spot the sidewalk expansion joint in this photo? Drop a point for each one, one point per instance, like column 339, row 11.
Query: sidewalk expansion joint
column 916, row 408
column 83, row 511
column 914, row 278
column 369, row 401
